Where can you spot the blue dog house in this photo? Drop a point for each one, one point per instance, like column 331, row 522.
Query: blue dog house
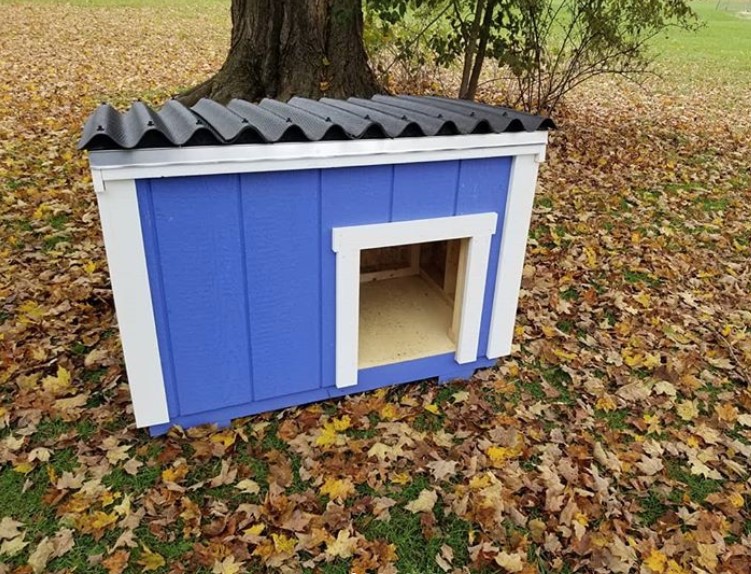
column 271, row 255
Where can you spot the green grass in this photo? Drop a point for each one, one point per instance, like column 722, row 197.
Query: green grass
column 698, row 487
column 653, row 508
column 721, row 47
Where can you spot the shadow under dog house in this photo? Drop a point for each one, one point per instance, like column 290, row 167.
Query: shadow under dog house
column 270, row 255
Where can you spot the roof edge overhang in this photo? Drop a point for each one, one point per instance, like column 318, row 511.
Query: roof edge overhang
column 108, row 165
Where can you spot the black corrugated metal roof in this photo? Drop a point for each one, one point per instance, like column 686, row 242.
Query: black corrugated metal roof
column 300, row 119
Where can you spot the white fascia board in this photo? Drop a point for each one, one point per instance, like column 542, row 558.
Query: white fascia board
column 412, row 231
column 248, row 158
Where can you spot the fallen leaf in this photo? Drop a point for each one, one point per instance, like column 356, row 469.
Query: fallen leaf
column 150, row 560
column 424, row 502
column 227, row 566
column 337, row 489
column 343, row 546
column 510, row 562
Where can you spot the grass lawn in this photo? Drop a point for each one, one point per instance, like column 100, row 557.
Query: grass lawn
column 616, row 438
column 720, row 50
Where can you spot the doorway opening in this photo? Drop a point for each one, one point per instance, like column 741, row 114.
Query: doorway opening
column 408, row 301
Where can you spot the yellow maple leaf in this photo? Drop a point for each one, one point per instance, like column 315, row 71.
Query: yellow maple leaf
column 255, row 530
column 561, row 354
column 343, row 546
column 643, row 299
column 632, row 358
column 327, row 437
column 480, row 481
column 99, row 520
column 89, row 267
column 656, row 561
column 341, row 424
column 59, row 384
column 32, row 312
column 123, row 509
column 498, row 455
column 389, row 412
column 460, row 396
column 175, row 474
column 337, row 489
column 401, row 478
column 651, row 360
column 283, row 544
column 591, row 256
column 432, row 408
column 24, row 467
column 737, row 500
column 150, row 560
column 226, row 438
column 687, row 410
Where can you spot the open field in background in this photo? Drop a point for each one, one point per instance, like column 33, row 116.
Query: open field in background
column 617, row 438
column 719, row 52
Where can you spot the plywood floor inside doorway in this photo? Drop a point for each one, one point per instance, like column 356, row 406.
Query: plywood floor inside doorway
column 402, row 319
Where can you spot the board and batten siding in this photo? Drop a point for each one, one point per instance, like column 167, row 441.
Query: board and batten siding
column 242, row 274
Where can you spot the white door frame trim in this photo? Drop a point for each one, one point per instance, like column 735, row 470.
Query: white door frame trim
column 347, row 242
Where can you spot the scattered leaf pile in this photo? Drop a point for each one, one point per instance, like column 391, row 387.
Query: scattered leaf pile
column 617, row 438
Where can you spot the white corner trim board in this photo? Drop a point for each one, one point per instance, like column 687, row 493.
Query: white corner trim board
column 521, row 196
column 347, row 242
column 211, row 160
column 126, row 257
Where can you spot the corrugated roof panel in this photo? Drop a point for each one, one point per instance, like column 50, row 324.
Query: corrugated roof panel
column 392, row 126
column 431, row 125
column 300, row 119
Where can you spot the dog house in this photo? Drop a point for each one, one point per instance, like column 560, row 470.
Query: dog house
column 271, row 255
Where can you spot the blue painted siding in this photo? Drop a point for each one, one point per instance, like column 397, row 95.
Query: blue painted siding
column 424, row 190
column 197, row 241
column 349, row 196
column 243, row 276
column 283, row 254
column 483, row 187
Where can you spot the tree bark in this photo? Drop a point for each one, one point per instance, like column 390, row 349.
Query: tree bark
column 469, row 51
column 285, row 48
column 487, row 22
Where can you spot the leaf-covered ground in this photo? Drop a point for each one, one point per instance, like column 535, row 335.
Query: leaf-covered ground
column 617, row 438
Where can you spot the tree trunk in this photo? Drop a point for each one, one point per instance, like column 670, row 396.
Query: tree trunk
column 285, row 48
column 487, row 22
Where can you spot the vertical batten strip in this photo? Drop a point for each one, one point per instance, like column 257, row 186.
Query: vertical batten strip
column 321, row 343
column 156, row 280
column 521, row 195
column 244, row 253
column 126, row 257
